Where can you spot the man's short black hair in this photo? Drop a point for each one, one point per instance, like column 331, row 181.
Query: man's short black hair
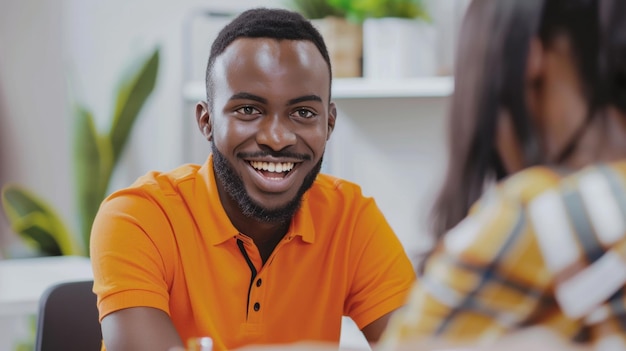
column 264, row 23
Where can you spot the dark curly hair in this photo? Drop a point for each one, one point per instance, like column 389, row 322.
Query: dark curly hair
column 264, row 23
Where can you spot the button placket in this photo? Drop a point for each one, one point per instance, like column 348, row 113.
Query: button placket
column 258, row 304
column 257, row 294
column 252, row 257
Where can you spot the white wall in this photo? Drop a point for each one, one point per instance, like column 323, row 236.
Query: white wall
column 395, row 149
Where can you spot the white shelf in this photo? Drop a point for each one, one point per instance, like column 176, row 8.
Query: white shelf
column 25, row 279
column 351, row 88
column 358, row 88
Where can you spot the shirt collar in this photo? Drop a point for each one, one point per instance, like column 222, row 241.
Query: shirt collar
column 222, row 229
column 302, row 224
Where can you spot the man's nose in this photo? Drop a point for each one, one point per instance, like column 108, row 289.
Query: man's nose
column 276, row 132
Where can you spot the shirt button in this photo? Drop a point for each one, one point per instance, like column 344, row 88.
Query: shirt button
column 258, row 282
column 257, row 306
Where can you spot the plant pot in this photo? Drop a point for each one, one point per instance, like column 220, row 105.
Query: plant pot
column 396, row 48
column 344, row 41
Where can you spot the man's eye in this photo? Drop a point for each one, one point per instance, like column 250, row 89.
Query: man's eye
column 304, row 113
column 248, row 110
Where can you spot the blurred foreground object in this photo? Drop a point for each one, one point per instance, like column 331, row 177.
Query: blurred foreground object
column 530, row 339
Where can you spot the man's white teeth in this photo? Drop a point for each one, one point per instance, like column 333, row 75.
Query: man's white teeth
column 273, row 166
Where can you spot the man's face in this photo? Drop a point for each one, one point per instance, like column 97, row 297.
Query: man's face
column 269, row 124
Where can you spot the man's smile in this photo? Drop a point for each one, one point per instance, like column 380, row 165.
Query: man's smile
column 274, row 177
column 273, row 167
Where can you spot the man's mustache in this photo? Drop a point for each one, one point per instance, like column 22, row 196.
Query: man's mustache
column 277, row 154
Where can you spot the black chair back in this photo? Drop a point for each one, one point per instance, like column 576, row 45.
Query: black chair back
column 68, row 318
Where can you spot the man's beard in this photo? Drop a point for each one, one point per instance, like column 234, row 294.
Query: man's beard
column 236, row 190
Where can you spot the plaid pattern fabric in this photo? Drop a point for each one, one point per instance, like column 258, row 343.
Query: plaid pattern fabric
column 541, row 248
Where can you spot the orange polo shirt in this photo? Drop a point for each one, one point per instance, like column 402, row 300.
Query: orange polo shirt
column 165, row 242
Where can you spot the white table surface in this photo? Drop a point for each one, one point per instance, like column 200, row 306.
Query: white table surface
column 23, row 280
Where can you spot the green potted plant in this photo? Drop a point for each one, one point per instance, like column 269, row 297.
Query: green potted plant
column 315, row 9
column 95, row 156
column 344, row 38
column 398, row 37
column 361, row 10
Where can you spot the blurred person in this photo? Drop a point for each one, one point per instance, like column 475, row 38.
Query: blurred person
column 531, row 219
column 254, row 246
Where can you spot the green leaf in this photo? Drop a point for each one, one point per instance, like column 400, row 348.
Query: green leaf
column 92, row 163
column 130, row 99
column 96, row 154
column 358, row 11
column 37, row 223
column 37, row 232
column 314, row 9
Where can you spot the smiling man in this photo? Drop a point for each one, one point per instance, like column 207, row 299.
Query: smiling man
column 255, row 246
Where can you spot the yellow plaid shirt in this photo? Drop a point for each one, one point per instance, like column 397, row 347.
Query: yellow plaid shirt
column 541, row 248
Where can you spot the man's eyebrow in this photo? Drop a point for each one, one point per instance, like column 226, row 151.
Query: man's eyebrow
column 248, row 96
column 304, row 98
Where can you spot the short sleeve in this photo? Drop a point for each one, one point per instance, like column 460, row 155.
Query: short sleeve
column 127, row 241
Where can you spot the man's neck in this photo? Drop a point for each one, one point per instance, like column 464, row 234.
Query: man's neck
column 266, row 236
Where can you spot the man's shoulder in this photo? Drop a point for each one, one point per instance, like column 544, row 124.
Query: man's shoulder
column 165, row 183
column 335, row 186
column 333, row 194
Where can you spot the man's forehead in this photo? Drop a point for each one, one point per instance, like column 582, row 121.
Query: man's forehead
column 269, row 53
column 263, row 45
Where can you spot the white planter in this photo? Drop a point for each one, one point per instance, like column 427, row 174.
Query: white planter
column 398, row 48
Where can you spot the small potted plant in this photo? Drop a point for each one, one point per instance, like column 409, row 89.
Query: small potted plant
column 344, row 38
column 315, row 9
column 398, row 37
column 359, row 11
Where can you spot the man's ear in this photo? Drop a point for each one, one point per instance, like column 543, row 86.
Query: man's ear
column 332, row 117
column 203, row 118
